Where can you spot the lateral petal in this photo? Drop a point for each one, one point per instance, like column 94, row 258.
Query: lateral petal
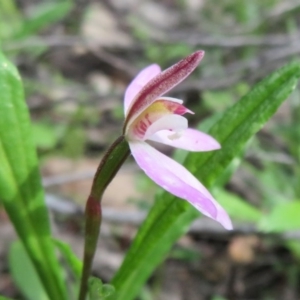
column 149, row 120
column 189, row 139
column 177, row 180
column 172, row 99
column 139, row 82
column 174, row 124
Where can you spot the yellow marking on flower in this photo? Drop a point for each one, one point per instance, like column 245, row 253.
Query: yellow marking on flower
column 151, row 114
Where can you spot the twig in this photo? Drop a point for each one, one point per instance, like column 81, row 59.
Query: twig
column 49, row 41
column 66, row 178
column 53, row 41
column 54, row 180
column 135, row 218
column 283, row 52
column 72, row 41
column 195, row 39
column 117, row 62
column 273, row 157
column 282, row 8
column 93, row 98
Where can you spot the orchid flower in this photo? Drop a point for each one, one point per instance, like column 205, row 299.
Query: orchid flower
column 151, row 117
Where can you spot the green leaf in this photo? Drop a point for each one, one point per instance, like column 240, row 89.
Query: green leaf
column 283, row 217
column 237, row 208
column 217, row 101
column 73, row 261
column 170, row 217
column 10, row 19
column 44, row 135
column 21, row 191
column 294, row 247
column 5, row 298
column 218, row 298
column 98, row 290
column 24, row 273
column 44, row 15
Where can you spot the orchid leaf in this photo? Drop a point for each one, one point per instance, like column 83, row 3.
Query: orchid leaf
column 283, row 217
column 170, row 217
column 73, row 261
column 21, row 191
column 98, row 290
column 237, row 207
column 24, row 273
column 5, row 298
column 44, row 15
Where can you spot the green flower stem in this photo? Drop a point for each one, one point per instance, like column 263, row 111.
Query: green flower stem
column 93, row 216
column 108, row 167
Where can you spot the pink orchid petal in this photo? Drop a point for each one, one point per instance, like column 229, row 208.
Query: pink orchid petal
column 190, row 139
column 160, row 84
column 177, row 180
column 173, row 123
column 138, row 82
column 171, row 99
column 161, row 108
column 179, row 109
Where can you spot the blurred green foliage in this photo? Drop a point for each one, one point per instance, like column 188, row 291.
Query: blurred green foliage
column 274, row 177
column 14, row 25
column 24, row 273
column 98, row 290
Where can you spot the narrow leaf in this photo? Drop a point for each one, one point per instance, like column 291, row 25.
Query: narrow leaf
column 5, row 298
column 98, row 290
column 43, row 16
column 237, row 207
column 283, row 217
column 73, row 261
column 20, row 184
column 24, row 273
column 170, row 217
